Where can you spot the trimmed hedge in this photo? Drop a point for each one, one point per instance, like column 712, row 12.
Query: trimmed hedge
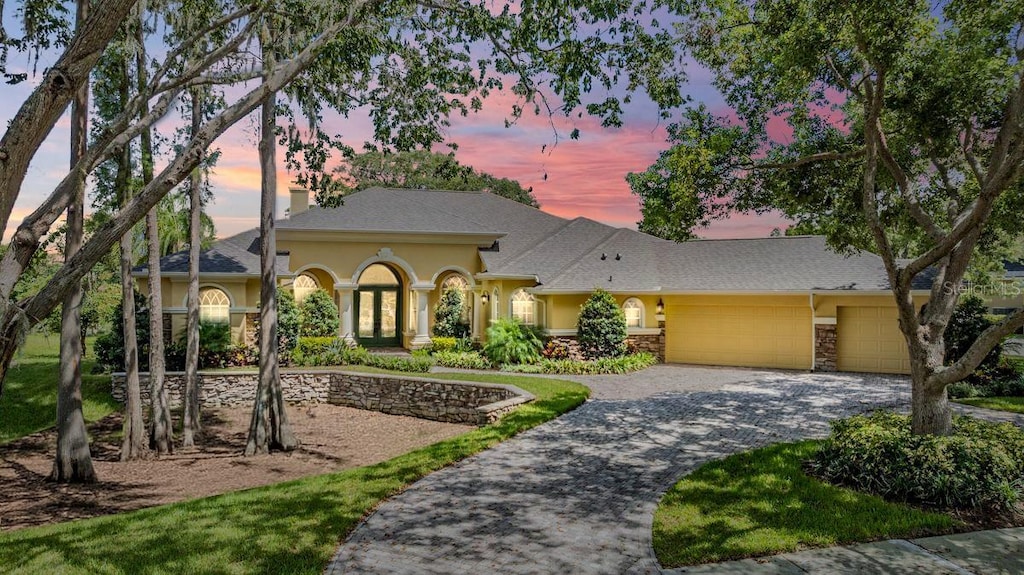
column 606, row 365
column 337, row 353
column 461, row 359
column 979, row 466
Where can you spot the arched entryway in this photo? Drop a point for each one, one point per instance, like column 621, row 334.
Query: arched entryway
column 378, row 303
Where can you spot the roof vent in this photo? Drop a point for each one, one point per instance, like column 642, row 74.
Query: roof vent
column 609, row 278
column 604, row 256
column 618, row 257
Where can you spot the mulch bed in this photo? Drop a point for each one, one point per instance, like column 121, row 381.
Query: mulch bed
column 333, row 438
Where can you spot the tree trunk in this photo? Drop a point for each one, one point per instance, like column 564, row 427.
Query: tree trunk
column 161, row 428
column 73, row 462
column 28, row 236
column 269, row 428
column 931, row 413
column 191, row 417
column 133, row 442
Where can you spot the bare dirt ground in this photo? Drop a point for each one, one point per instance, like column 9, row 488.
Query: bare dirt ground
column 333, row 438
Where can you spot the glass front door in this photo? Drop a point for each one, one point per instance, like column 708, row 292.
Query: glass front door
column 378, row 316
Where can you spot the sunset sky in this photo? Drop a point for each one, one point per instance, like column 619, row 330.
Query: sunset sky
column 585, row 177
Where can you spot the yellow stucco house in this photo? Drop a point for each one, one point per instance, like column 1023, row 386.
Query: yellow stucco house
column 387, row 254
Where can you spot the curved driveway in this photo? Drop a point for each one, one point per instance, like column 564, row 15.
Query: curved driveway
column 577, row 495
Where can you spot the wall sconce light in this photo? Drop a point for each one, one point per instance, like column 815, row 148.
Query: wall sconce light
column 485, row 298
column 660, row 308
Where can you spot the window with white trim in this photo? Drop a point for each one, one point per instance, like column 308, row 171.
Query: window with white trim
column 634, row 312
column 214, row 306
column 459, row 283
column 522, row 305
column 304, row 285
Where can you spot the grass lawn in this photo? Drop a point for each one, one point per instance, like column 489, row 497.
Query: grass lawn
column 761, row 503
column 29, row 400
column 291, row 527
column 1014, row 404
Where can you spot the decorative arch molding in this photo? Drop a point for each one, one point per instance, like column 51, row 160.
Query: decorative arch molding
column 204, row 285
column 457, row 269
column 386, row 256
column 318, row 267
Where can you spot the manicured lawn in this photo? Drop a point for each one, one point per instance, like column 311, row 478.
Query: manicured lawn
column 291, row 527
column 1014, row 404
column 29, row 401
column 761, row 503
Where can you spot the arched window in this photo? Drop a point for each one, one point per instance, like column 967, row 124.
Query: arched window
column 214, row 306
column 634, row 311
column 455, row 281
column 378, row 275
column 461, row 284
column 523, row 306
column 304, row 285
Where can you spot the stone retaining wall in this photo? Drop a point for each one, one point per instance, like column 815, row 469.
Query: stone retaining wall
column 440, row 400
column 230, row 388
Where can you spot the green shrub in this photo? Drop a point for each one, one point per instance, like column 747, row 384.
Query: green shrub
column 288, row 321
column 969, row 320
column 214, row 336
column 318, row 315
column 442, row 344
column 109, row 346
column 448, row 315
column 601, row 327
column 606, row 365
column 338, row 353
column 316, row 345
column 979, row 466
column 398, row 363
column 509, row 341
column 461, row 359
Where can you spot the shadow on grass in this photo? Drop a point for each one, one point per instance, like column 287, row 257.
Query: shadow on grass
column 290, row 527
column 760, row 503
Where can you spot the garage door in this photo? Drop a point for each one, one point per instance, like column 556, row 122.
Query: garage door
column 748, row 336
column 868, row 339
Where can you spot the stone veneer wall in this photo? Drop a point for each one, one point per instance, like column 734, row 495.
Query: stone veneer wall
column 825, row 354
column 440, row 400
column 653, row 344
column 230, row 388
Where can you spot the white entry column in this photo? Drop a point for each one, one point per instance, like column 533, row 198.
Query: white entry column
column 422, row 337
column 345, row 329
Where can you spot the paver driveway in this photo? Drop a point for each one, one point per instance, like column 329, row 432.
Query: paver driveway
column 577, row 495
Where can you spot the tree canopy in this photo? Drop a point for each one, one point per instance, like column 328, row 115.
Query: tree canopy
column 410, row 64
column 423, row 169
column 878, row 124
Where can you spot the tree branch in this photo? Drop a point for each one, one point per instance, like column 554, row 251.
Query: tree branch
column 41, row 110
column 819, row 157
column 979, row 349
column 188, row 159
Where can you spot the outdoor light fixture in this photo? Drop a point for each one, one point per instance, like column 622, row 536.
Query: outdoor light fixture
column 485, row 298
column 661, row 306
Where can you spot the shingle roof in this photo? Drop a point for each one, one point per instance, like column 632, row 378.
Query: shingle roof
column 238, row 254
column 566, row 255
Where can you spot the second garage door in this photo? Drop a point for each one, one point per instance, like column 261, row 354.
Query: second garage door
column 746, row 336
column 868, row 339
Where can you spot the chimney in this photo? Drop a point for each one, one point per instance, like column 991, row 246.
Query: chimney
column 300, row 200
